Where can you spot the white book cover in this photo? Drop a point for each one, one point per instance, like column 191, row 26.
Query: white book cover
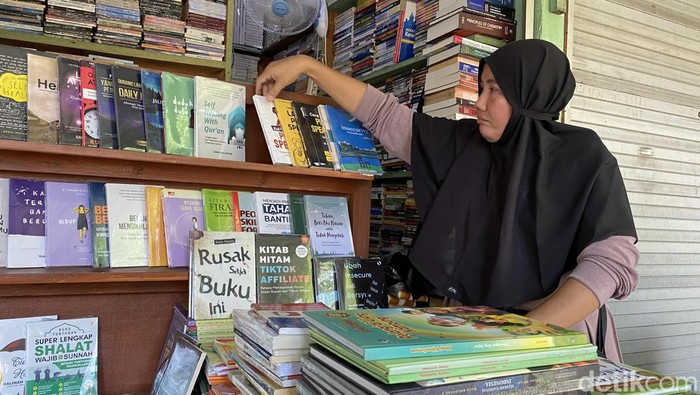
column 126, row 216
column 272, row 211
column 26, row 240
column 4, row 218
column 246, row 203
column 328, row 224
column 223, row 268
column 13, row 353
column 219, row 119
column 62, row 357
column 272, row 129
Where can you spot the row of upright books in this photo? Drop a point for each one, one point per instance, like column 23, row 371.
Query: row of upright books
column 86, row 102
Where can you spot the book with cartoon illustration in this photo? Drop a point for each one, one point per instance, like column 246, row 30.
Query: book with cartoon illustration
column 431, row 331
column 68, row 237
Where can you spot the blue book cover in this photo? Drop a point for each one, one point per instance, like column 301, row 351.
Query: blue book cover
column 99, row 224
column 152, row 110
column 105, row 106
column 354, row 144
column 68, row 237
column 406, row 32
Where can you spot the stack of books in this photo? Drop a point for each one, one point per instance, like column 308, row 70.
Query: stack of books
column 22, row 15
column 270, row 341
column 118, row 23
column 444, row 349
column 205, row 29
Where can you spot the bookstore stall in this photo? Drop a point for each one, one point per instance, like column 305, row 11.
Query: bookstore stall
column 165, row 230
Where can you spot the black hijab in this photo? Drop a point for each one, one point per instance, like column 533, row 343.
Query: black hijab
column 501, row 222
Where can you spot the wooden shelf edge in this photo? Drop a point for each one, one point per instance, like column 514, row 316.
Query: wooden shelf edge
column 60, row 153
column 89, row 275
column 391, row 71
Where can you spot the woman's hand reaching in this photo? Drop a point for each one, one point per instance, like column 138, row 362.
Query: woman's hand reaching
column 280, row 74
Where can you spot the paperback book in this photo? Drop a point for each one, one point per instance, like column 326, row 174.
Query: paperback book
column 43, row 110
column 99, row 224
column 283, row 264
column 312, row 134
column 183, row 218
column 104, row 87
column 90, row 122
column 128, row 108
column 4, row 218
column 354, row 144
column 13, row 353
column 157, row 251
column 221, row 211
column 219, row 117
column 13, row 97
column 405, row 333
column 70, row 130
column 68, row 237
column 272, row 129
column 126, row 216
column 288, row 121
column 272, row 212
column 178, row 114
column 153, row 111
column 26, row 239
column 178, row 372
column 358, row 280
column 62, row 357
column 328, row 225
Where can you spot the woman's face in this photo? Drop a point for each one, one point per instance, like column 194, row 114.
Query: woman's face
column 492, row 109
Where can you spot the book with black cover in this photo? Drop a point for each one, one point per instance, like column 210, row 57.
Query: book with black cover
column 313, row 136
column 128, row 105
column 70, row 131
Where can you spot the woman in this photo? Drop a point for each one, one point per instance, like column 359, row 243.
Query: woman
column 520, row 211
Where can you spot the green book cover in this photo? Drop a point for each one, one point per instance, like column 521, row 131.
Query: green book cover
column 178, row 114
column 478, row 366
column 219, row 212
column 432, row 331
column 283, row 265
column 297, row 212
column 98, row 224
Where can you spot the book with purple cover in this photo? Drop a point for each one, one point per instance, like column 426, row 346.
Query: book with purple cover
column 26, row 238
column 68, row 239
column 182, row 215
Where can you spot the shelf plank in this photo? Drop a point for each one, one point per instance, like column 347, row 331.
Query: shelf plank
column 380, row 76
column 57, row 43
column 339, row 6
column 89, row 275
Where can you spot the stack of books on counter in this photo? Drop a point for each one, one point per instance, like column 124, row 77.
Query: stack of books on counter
column 474, row 350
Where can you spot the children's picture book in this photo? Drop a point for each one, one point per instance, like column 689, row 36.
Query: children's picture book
column 43, row 111
column 13, row 100
column 288, row 121
column 128, row 108
column 99, row 224
column 431, row 331
column 152, row 110
column 219, row 119
column 13, row 353
column 354, row 144
column 283, row 264
column 272, row 212
column 272, row 129
column 328, row 225
column 127, row 216
column 620, row 378
column 68, row 235
column 90, row 122
column 70, row 130
column 312, row 134
column 105, row 106
column 183, row 218
column 178, row 114
column 26, row 239
column 157, row 252
column 221, row 211
column 62, row 357
column 222, row 270
column 178, row 372
column 358, row 280
column 4, row 218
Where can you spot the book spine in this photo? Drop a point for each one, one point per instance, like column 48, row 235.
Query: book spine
column 471, row 23
column 406, row 32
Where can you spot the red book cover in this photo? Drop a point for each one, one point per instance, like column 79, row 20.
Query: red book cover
column 89, row 120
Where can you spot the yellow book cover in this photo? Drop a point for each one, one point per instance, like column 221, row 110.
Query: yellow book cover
column 288, row 121
column 157, row 255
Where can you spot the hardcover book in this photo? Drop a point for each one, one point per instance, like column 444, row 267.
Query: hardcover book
column 4, row 218
column 403, row 333
column 288, row 121
column 183, row 218
column 26, row 241
column 69, row 131
column 354, row 144
column 178, row 114
column 128, row 234
column 13, row 353
column 284, row 271
column 99, row 224
column 105, row 106
column 90, row 122
column 359, row 279
column 406, row 32
column 13, row 93
column 153, row 111
column 272, row 209
column 223, row 274
column 219, row 116
column 157, row 251
column 312, row 135
column 128, row 108
column 221, row 211
column 177, row 374
column 43, row 111
column 328, row 225
column 62, row 357
column 272, row 129
column 246, row 204
column 68, row 237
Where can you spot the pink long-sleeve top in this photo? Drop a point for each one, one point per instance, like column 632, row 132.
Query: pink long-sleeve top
column 607, row 267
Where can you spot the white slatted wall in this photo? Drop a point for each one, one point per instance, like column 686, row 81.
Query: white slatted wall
column 637, row 66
